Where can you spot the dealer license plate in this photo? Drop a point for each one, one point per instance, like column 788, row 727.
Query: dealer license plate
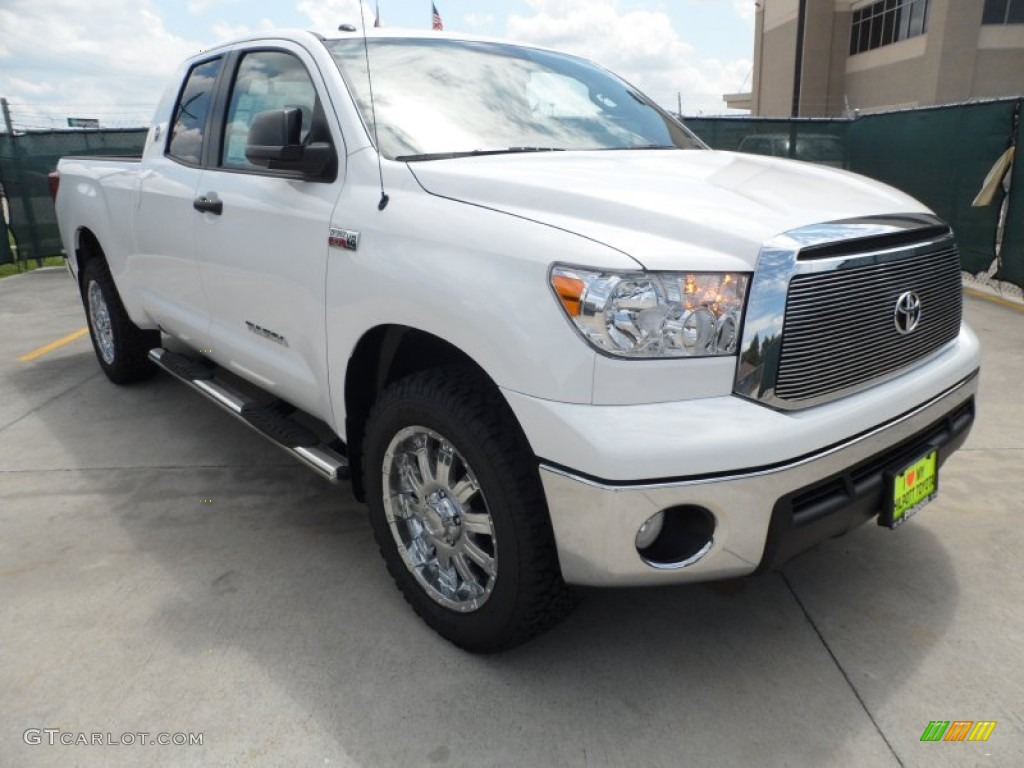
column 910, row 489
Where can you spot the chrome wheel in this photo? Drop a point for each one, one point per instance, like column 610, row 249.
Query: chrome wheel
column 439, row 518
column 102, row 328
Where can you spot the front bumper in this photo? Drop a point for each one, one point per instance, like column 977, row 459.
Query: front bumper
column 762, row 516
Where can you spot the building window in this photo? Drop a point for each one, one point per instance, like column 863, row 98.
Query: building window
column 889, row 21
column 1003, row 12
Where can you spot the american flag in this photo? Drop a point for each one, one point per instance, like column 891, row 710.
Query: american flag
column 438, row 24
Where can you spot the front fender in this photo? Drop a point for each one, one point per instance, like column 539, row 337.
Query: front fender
column 474, row 277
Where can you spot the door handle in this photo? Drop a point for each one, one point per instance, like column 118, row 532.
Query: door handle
column 208, row 204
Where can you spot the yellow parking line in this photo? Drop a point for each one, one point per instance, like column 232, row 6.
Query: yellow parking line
column 53, row 345
column 994, row 299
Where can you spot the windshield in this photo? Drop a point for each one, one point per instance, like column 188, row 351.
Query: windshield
column 449, row 98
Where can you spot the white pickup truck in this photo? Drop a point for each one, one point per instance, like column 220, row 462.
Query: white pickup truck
column 550, row 337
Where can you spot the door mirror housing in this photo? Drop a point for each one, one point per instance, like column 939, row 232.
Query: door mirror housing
column 273, row 143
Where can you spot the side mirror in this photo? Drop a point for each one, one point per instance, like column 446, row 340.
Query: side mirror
column 274, row 144
column 274, row 135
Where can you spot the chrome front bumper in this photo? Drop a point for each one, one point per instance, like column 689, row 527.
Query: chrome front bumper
column 595, row 522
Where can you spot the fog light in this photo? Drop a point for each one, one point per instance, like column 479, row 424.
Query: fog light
column 677, row 537
column 650, row 531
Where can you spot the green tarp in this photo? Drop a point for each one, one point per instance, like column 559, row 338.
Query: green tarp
column 816, row 141
column 939, row 155
column 6, row 256
column 25, row 161
column 1012, row 268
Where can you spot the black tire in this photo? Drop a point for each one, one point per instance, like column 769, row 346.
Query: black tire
column 121, row 346
column 527, row 595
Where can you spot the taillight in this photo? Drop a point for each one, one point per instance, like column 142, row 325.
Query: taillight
column 53, row 177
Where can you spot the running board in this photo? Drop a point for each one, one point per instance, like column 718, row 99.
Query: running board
column 271, row 421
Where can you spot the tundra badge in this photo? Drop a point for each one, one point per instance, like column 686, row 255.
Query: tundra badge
column 267, row 334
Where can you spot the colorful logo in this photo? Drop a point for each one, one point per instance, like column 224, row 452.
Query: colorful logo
column 958, row 730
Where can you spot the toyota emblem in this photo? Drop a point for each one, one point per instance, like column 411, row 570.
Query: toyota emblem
column 908, row 312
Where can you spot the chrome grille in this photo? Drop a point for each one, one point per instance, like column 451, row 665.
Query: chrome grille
column 840, row 331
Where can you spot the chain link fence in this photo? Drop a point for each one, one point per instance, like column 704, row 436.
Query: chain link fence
column 25, row 161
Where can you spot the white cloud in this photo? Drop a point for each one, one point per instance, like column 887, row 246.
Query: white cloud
column 478, row 20
column 107, row 58
column 745, row 9
column 112, row 58
column 224, row 32
column 641, row 46
column 199, row 7
column 327, row 15
column 29, row 87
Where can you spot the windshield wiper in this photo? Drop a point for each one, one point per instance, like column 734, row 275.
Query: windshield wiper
column 643, row 146
column 474, row 153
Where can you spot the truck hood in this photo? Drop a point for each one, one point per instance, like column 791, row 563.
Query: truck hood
column 667, row 209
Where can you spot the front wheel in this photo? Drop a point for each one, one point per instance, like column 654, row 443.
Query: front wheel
column 459, row 514
column 122, row 347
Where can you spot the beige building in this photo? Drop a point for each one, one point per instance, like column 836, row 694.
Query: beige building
column 815, row 58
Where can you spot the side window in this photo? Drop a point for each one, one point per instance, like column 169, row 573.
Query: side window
column 189, row 124
column 266, row 80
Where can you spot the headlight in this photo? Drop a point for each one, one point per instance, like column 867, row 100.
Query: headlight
column 654, row 314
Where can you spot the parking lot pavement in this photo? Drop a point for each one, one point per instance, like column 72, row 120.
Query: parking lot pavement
column 164, row 570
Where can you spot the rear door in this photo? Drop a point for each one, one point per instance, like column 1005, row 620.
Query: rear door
column 263, row 255
column 165, row 267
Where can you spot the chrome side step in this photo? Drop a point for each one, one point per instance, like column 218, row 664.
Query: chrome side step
column 271, row 421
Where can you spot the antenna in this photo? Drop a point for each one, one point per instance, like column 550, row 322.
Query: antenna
column 384, row 199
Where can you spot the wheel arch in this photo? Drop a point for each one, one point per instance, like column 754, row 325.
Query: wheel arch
column 87, row 247
column 383, row 355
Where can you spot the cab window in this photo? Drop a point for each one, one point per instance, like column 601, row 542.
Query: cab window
column 267, row 80
column 189, row 124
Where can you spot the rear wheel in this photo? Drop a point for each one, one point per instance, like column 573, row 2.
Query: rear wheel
column 121, row 346
column 459, row 514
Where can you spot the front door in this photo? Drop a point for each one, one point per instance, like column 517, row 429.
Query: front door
column 263, row 250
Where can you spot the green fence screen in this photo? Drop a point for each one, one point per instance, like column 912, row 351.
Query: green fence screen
column 939, row 155
column 1012, row 267
column 816, row 141
column 6, row 255
column 26, row 159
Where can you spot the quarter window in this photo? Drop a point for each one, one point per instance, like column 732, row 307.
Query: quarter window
column 189, row 124
column 887, row 22
column 266, row 80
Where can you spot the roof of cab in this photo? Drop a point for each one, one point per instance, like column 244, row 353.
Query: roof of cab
column 378, row 33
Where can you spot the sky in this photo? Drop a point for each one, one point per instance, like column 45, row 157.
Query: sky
column 111, row 59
